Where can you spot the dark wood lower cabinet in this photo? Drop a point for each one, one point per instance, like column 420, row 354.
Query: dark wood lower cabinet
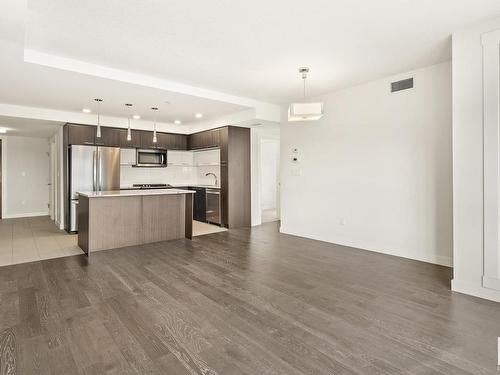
column 200, row 204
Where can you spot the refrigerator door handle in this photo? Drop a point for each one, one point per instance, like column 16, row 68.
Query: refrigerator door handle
column 99, row 169
column 94, row 166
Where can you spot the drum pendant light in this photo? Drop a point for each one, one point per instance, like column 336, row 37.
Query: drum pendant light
column 305, row 111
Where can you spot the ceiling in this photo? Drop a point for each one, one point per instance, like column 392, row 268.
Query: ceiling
column 28, row 127
column 253, row 48
column 250, row 50
column 39, row 86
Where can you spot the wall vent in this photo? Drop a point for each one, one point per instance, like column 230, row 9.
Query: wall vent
column 404, row 84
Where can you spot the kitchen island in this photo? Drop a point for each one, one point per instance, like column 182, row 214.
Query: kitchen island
column 114, row 219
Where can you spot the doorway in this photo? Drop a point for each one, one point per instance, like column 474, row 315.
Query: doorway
column 270, row 179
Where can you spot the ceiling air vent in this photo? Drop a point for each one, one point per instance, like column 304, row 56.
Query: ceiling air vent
column 404, row 84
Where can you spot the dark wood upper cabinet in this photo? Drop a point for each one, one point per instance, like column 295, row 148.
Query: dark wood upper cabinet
column 80, row 134
column 77, row 134
column 109, row 137
column 205, row 139
column 180, row 142
column 164, row 141
column 223, row 142
column 194, row 141
column 147, row 139
column 135, row 141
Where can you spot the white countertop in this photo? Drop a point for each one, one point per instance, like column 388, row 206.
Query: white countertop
column 201, row 186
column 131, row 193
column 178, row 185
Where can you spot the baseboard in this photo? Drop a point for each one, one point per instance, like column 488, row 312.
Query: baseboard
column 427, row 258
column 29, row 214
column 475, row 290
column 491, row 283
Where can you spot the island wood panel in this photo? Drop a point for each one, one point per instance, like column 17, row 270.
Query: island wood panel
column 114, row 222
column 160, row 217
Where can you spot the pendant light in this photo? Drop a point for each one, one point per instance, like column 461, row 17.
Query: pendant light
column 129, row 132
column 155, row 139
column 98, row 133
column 305, row 111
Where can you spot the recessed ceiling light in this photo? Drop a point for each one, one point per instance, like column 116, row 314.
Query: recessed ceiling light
column 86, row 110
column 3, row 130
column 136, row 117
column 199, row 115
column 177, row 122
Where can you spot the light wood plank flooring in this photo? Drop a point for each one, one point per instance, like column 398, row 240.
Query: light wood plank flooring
column 249, row 301
column 34, row 238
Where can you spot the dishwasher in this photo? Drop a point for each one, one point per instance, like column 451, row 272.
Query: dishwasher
column 213, row 214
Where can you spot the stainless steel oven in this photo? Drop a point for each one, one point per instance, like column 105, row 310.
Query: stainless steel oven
column 151, row 158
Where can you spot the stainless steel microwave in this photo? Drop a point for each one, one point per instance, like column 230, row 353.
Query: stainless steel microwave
column 151, row 158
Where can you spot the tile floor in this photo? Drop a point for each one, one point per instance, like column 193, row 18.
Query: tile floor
column 199, row 228
column 269, row 215
column 34, row 238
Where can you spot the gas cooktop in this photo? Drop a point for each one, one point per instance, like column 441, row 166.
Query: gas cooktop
column 152, row 186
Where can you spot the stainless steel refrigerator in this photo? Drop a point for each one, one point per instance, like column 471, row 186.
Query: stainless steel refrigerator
column 92, row 168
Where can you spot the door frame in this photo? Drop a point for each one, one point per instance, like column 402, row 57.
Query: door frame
column 1, row 179
column 278, row 176
column 53, row 179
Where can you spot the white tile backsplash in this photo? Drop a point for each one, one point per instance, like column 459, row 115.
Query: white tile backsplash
column 201, row 179
column 182, row 170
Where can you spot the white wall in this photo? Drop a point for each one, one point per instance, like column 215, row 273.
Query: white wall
column 26, row 175
column 468, row 160
column 270, row 154
column 375, row 171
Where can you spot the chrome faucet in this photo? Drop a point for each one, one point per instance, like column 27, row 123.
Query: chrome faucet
column 212, row 174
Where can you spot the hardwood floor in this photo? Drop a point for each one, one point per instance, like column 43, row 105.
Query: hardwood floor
column 241, row 302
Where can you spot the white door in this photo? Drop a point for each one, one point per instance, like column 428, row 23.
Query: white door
column 269, row 151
